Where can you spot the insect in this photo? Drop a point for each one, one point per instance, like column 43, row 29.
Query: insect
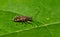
column 22, row 19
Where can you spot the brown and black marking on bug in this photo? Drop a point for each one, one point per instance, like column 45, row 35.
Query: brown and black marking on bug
column 23, row 19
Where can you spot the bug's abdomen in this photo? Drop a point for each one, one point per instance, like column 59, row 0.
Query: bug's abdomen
column 23, row 19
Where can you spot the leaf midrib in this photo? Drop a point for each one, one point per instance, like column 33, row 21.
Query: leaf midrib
column 45, row 25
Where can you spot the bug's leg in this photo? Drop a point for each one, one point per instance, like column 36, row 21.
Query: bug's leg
column 25, row 23
column 29, row 22
column 22, row 22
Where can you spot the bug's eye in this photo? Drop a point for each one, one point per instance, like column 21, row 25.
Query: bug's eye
column 30, row 19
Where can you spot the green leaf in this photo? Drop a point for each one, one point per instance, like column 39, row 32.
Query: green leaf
column 45, row 15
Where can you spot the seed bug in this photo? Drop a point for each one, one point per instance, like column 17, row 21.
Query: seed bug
column 23, row 19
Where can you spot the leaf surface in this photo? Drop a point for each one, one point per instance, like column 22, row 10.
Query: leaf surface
column 45, row 15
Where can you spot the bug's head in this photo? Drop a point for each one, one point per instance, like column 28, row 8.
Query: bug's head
column 30, row 19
